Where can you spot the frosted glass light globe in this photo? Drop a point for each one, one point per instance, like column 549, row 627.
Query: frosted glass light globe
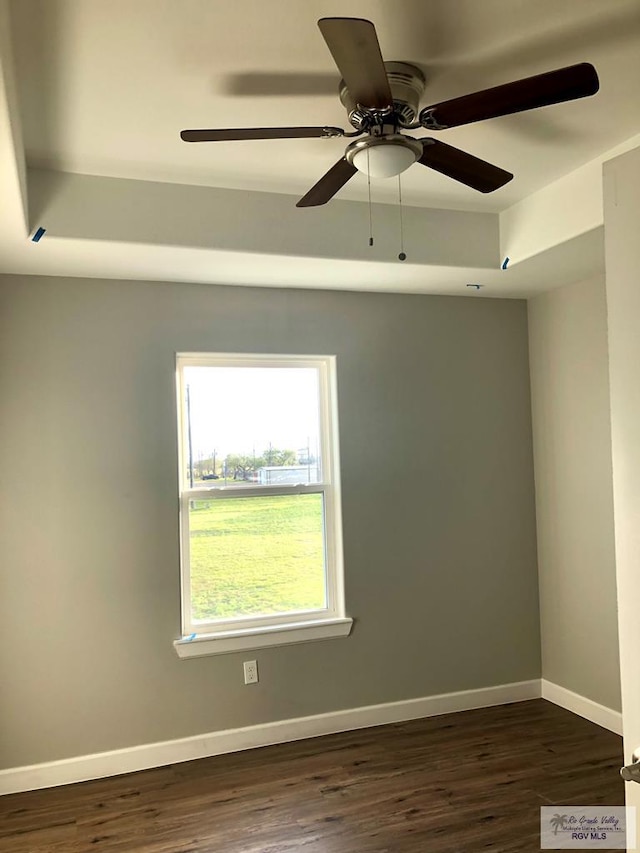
column 384, row 160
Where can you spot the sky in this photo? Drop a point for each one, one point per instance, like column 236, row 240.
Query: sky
column 242, row 410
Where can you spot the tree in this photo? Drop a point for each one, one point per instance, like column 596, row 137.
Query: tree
column 284, row 457
column 241, row 466
column 557, row 822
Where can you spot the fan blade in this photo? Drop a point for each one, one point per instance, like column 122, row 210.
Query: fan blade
column 329, row 184
column 239, row 133
column 354, row 46
column 463, row 167
column 553, row 87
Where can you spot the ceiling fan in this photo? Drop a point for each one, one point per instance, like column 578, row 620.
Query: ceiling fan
column 382, row 99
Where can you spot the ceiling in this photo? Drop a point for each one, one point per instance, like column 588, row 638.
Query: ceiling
column 104, row 89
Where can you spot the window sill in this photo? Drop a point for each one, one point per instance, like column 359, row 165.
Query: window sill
column 259, row 638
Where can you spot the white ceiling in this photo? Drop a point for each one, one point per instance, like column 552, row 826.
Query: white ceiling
column 105, row 87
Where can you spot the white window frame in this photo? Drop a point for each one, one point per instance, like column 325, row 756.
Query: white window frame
column 239, row 633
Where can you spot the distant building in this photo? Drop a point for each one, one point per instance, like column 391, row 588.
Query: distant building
column 277, row 474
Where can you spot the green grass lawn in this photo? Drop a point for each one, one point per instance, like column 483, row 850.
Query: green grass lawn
column 256, row 556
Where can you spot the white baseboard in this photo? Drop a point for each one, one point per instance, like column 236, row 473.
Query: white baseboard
column 143, row 757
column 587, row 708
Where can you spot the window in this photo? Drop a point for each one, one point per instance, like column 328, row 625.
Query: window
column 260, row 520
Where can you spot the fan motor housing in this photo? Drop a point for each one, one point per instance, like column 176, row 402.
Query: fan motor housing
column 407, row 85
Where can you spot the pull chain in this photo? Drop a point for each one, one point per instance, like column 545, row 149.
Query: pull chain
column 401, row 256
column 370, row 214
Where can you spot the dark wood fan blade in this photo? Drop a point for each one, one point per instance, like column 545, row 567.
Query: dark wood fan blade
column 463, row 167
column 354, row 46
column 239, row 133
column 329, row 184
column 553, row 87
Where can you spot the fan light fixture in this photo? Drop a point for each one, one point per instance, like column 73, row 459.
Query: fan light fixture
column 384, row 156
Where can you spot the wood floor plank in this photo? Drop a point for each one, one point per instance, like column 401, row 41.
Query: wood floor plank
column 460, row 782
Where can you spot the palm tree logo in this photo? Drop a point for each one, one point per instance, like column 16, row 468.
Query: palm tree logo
column 558, row 822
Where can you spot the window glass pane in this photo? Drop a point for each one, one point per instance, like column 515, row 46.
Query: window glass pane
column 252, row 426
column 256, row 556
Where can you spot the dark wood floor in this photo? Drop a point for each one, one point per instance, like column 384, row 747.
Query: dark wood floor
column 463, row 782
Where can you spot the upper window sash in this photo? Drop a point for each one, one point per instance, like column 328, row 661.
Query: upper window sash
column 324, row 365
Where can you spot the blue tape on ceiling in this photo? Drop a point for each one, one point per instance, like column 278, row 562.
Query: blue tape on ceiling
column 505, row 263
column 38, row 235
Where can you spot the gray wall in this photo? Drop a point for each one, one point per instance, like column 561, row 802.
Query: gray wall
column 438, row 507
column 622, row 252
column 574, row 500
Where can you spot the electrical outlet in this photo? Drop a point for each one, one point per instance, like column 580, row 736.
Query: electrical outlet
column 250, row 671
